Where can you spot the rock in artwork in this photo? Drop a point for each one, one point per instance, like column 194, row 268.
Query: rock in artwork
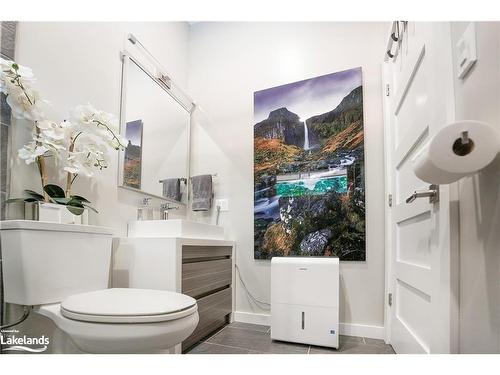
column 309, row 181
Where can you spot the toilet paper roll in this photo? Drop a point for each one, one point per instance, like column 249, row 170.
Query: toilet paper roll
column 427, row 171
column 446, row 157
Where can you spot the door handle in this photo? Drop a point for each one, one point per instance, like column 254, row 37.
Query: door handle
column 432, row 193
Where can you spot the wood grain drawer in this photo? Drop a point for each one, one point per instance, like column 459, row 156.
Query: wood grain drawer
column 198, row 253
column 200, row 278
column 213, row 311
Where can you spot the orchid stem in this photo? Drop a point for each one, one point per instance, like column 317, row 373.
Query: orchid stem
column 70, row 178
column 40, row 161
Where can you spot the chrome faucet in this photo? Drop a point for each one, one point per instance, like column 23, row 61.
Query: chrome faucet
column 145, row 211
column 165, row 208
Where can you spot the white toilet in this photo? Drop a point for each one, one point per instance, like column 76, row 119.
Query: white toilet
column 63, row 271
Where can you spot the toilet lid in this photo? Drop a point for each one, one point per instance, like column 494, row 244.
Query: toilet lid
column 124, row 305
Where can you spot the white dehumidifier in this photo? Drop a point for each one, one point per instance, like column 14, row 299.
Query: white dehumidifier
column 305, row 300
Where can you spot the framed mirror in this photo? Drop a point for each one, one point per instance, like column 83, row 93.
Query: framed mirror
column 156, row 124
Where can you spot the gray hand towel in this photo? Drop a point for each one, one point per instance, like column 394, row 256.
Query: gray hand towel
column 202, row 192
column 172, row 188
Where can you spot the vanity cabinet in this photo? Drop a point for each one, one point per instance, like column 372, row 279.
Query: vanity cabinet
column 200, row 268
column 207, row 276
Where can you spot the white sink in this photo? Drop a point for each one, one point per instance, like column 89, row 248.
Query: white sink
column 174, row 228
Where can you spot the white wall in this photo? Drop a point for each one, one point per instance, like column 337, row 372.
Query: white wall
column 79, row 62
column 228, row 62
column 478, row 98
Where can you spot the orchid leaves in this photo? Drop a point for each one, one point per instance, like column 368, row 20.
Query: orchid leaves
column 75, row 204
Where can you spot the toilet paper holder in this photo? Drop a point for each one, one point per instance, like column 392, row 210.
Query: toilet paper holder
column 464, row 145
column 432, row 193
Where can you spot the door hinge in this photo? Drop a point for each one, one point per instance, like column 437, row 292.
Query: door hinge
column 387, row 90
column 389, row 200
column 389, row 299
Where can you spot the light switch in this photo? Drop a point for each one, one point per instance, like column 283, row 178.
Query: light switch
column 223, row 204
column 466, row 53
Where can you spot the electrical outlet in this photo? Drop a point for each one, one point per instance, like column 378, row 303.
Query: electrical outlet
column 223, row 204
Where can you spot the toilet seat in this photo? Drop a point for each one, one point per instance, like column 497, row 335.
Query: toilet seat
column 120, row 337
column 124, row 305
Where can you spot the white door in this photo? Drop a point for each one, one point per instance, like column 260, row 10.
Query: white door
column 421, row 249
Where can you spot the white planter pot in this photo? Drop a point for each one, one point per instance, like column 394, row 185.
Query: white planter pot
column 42, row 211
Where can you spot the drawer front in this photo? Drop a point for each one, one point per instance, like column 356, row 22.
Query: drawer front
column 199, row 278
column 213, row 311
column 197, row 253
column 219, row 303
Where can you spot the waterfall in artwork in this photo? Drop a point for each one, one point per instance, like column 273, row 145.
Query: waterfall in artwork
column 306, row 136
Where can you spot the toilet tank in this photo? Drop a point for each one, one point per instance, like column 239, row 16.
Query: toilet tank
column 46, row 262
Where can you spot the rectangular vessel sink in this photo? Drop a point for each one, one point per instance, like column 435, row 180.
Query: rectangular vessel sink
column 174, row 228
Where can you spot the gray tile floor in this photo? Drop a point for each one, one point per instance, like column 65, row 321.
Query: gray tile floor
column 244, row 338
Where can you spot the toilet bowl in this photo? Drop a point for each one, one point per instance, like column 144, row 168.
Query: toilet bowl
column 63, row 271
column 124, row 320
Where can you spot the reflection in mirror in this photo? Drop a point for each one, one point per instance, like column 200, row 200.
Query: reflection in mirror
column 156, row 127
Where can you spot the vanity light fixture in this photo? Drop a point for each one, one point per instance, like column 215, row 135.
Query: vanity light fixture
column 161, row 76
column 164, row 80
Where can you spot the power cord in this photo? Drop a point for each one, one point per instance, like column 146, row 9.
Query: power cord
column 26, row 313
column 257, row 301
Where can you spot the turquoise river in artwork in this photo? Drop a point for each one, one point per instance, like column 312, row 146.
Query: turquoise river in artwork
column 312, row 186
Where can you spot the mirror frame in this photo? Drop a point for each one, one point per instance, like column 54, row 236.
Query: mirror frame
column 127, row 58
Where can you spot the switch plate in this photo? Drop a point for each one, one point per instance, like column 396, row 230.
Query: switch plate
column 466, row 53
column 223, row 204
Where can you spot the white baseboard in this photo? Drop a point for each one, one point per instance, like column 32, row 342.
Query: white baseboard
column 362, row 330
column 347, row 329
column 253, row 318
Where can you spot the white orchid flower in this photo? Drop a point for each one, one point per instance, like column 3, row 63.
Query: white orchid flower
column 52, row 136
column 9, row 68
column 44, row 124
column 52, row 145
column 78, row 167
column 9, row 72
column 79, row 163
column 100, row 123
column 16, row 82
column 65, row 124
column 31, row 151
column 55, row 133
column 89, row 151
column 25, row 103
